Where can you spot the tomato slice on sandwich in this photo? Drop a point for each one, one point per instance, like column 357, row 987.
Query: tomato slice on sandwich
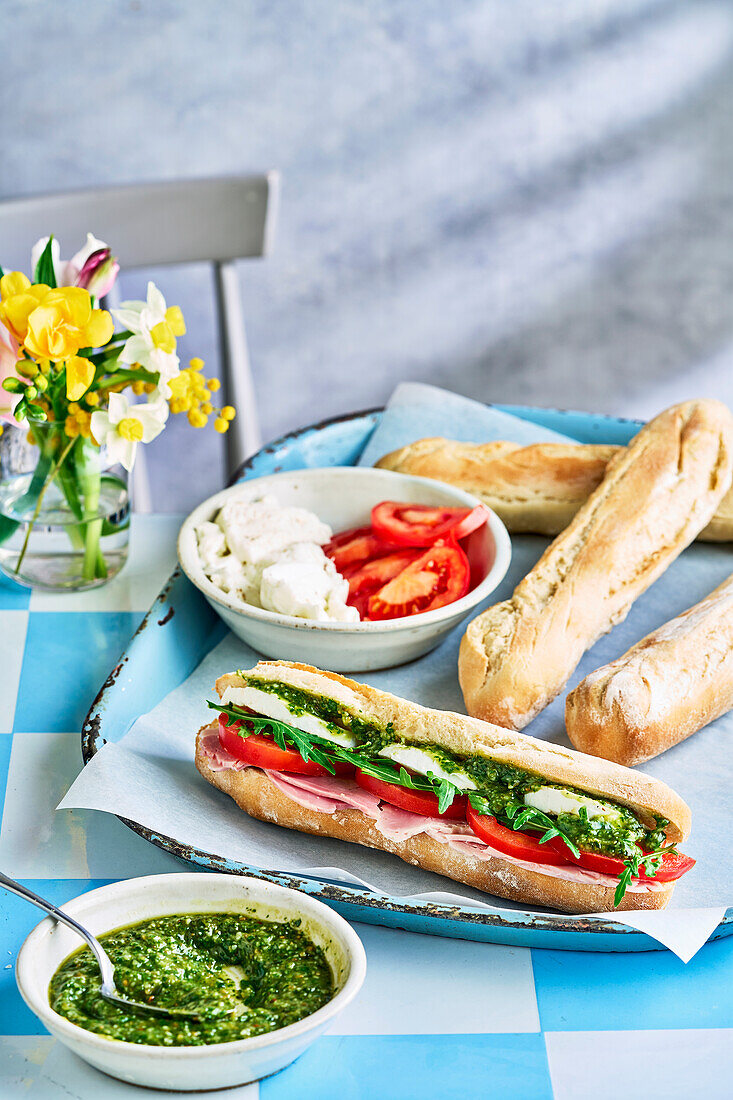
column 508, row 842
column 438, row 577
column 416, row 802
column 263, row 752
column 673, row 866
column 423, row 525
column 528, row 847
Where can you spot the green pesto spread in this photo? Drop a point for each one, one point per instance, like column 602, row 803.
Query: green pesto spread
column 498, row 784
column 244, row 976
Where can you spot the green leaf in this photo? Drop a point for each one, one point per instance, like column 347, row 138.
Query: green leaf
column 1, row 272
column 44, row 268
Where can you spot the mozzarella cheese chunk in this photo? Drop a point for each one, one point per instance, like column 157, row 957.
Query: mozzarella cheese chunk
column 421, row 761
column 272, row 706
column 553, row 801
column 272, row 557
column 257, row 531
column 211, row 544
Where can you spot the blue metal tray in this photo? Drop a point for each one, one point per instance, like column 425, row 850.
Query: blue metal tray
column 181, row 628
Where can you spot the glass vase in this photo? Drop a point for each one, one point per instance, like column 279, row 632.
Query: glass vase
column 64, row 512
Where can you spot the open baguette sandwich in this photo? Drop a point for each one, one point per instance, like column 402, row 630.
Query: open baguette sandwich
column 485, row 806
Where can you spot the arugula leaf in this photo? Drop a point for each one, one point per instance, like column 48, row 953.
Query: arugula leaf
column 446, row 792
column 44, row 268
column 649, row 861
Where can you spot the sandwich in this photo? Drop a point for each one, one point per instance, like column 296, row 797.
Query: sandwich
column 493, row 809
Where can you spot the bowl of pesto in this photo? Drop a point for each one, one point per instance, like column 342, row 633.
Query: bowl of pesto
column 263, row 969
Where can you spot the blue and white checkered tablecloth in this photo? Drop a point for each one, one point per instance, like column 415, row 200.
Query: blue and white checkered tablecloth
column 436, row 1019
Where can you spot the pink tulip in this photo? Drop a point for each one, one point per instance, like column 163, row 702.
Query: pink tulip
column 8, row 359
column 98, row 273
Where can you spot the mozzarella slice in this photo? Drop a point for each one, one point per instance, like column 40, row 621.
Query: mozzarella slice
column 419, row 760
column 553, row 801
column 272, row 706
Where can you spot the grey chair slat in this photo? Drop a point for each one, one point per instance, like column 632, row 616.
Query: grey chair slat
column 184, row 221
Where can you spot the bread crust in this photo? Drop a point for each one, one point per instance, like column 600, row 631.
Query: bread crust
column 458, row 733
column 657, row 494
column 260, row 798
column 535, row 489
column 669, row 685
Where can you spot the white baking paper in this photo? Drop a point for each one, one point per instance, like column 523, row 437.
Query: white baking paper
column 148, row 776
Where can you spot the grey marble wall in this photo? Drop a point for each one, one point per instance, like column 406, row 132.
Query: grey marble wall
column 525, row 201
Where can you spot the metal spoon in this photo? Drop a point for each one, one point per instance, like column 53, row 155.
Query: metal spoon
column 106, row 967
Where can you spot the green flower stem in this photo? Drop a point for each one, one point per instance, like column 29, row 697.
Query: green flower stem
column 90, row 482
column 36, row 511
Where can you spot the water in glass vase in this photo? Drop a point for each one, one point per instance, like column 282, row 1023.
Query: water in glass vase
column 65, row 523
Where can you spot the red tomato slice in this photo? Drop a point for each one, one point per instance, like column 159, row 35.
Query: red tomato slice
column 673, row 865
column 351, row 548
column 373, row 575
column 517, row 844
column 417, row 802
column 524, row 846
column 422, row 525
column 262, row 752
column 438, row 577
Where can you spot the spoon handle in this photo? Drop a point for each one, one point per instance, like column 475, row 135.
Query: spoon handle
column 105, row 966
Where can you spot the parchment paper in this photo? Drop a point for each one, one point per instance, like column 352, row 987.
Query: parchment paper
column 148, row 776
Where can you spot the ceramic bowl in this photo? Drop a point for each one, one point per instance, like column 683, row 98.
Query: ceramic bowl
column 343, row 496
column 188, row 1069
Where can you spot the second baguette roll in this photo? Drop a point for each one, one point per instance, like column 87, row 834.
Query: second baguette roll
column 665, row 688
column 656, row 496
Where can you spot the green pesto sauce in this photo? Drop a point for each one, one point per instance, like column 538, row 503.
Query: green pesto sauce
column 186, row 961
column 499, row 784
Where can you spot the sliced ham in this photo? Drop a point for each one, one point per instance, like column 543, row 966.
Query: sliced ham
column 220, row 759
column 331, row 793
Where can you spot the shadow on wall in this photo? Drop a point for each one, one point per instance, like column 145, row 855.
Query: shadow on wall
column 524, row 202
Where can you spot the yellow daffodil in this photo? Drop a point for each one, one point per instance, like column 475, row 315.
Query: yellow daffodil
column 64, row 323
column 155, row 327
column 79, row 377
column 19, row 298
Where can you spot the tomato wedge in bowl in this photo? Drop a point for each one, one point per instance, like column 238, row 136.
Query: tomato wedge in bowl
column 350, row 549
column 423, row 524
column 263, row 752
column 438, row 577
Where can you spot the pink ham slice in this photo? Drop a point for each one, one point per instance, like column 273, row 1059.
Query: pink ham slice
column 328, row 794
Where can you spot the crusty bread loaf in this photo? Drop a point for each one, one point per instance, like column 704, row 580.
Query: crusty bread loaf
column 457, row 733
column 536, row 489
column 657, row 494
column 260, row 798
column 668, row 686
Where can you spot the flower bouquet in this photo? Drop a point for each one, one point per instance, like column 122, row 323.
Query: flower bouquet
column 82, row 396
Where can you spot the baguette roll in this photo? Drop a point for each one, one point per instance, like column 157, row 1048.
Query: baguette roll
column 665, row 688
column 657, row 494
column 535, row 489
column 568, row 888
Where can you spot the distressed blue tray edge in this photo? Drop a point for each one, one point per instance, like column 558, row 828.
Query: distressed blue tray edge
column 177, row 649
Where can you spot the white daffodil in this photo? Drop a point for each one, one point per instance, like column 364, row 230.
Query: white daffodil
column 155, row 327
column 123, row 426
